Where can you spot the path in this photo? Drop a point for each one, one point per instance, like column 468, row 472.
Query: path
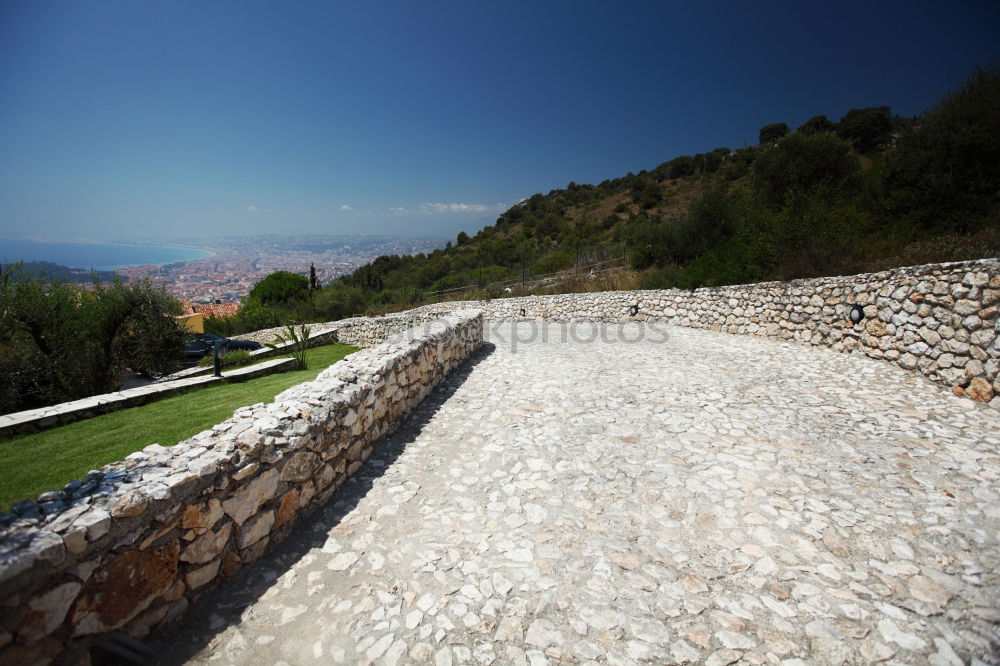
column 708, row 499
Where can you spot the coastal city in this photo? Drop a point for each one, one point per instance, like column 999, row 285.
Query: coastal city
column 237, row 263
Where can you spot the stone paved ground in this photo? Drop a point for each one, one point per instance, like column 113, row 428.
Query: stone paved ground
column 710, row 499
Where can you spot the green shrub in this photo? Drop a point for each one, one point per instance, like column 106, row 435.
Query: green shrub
column 804, row 163
column 233, row 359
column 552, row 262
column 770, row 134
column 867, row 128
column 944, row 173
column 280, row 289
column 664, row 278
column 816, row 125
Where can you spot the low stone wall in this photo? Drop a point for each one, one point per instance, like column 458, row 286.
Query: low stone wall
column 43, row 418
column 365, row 331
column 358, row 331
column 319, row 334
column 938, row 319
column 133, row 545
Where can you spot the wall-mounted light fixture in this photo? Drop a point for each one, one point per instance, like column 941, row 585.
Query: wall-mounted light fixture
column 633, row 309
column 857, row 313
column 523, row 313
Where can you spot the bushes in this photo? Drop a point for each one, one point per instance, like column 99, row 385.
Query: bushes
column 553, row 261
column 944, row 174
column 770, row 134
column 253, row 317
column 280, row 289
column 76, row 342
column 339, row 301
column 233, row 359
column 804, row 163
column 867, row 129
column 816, row 125
column 662, row 278
column 680, row 167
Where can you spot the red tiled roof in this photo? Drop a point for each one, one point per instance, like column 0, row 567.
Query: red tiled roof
column 220, row 310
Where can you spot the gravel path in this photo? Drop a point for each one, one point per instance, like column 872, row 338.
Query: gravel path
column 691, row 497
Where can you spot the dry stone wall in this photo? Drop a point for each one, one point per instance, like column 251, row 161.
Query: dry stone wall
column 131, row 546
column 364, row 331
column 938, row 319
column 357, row 331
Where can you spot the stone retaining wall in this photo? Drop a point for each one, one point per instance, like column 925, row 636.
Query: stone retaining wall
column 133, row 545
column 357, row 331
column 938, row 319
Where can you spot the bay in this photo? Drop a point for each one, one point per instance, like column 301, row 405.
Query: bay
column 99, row 256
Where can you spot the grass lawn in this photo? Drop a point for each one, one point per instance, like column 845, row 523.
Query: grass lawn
column 31, row 464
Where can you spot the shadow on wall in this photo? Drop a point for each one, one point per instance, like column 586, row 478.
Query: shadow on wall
column 223, row 607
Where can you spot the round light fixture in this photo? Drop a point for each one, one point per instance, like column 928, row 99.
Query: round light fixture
column 634, row 309
column 857, row 313
column 523, row 313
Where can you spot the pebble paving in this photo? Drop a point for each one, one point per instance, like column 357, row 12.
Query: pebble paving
column 642, row 494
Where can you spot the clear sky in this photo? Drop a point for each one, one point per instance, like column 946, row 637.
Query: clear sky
column 179, row 118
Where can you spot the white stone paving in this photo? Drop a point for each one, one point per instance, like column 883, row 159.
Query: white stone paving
column 707, row 498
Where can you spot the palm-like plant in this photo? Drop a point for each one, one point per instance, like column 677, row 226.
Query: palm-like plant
column 294, row 341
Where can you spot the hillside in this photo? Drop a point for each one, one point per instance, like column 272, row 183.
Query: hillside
column 50, row 271
column 868, row 192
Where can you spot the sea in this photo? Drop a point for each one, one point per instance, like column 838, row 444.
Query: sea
column 97, row 256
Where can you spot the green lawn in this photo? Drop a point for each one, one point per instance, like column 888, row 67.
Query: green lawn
column 31, row 464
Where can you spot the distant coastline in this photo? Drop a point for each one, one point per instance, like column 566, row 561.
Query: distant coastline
column 86, row 254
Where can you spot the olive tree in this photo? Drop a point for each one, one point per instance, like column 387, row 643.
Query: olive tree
column 69, row 342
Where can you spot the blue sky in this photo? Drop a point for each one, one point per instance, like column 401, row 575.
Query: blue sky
column 130, row 118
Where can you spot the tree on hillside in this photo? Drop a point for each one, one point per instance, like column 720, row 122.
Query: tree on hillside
column 816, row 125
column 803, row 162
column 713, row 160
column 867, row 128
column 280, row 289
column 945, row 171
column 772, row 133
column 680, row 167
column 339, row 301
